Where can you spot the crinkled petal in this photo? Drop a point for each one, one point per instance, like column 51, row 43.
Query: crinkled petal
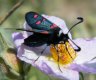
column 18, row 39
column 44, row 64
column 26, row 26
column 59, row 22
column 86, row 59
column 53, row 70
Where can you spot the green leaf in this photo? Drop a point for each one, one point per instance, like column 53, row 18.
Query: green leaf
column 3, row 44
column 6, row 37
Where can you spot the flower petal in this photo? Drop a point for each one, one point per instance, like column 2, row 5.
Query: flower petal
column 44, row 64
column 26, row 26
column 59, row 22
column 52, row 70
column 18, row 39
column 88, row 48
column 86, row 59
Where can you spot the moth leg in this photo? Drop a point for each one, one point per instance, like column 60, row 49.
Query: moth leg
column 58, row 59
column 68, row 51
column 41, row 53
column 78, row 48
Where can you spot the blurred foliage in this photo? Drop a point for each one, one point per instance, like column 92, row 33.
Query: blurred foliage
column 68, row 10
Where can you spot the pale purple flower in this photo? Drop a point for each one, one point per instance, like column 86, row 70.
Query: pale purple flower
column 84, row 62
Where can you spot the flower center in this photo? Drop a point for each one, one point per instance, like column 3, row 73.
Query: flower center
column 64, row 53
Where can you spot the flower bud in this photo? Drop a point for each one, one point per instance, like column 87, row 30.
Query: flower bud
column 12, row 64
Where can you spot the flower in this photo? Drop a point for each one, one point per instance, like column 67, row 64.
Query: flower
column 84, row 61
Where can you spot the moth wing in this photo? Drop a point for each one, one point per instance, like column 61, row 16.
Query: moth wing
column 37, row 21
column 36, row 40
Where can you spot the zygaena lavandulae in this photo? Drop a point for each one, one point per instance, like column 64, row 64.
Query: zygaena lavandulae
column 46, row 32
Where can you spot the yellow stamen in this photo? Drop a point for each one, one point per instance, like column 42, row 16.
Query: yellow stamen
column 66, row 56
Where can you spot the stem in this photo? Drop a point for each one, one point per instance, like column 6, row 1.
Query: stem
column 81, row 76
column 14, row 8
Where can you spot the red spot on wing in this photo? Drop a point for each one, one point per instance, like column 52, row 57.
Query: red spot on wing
column 35, row 16
column 45, row 32
column 38, row 22
column 53, row 26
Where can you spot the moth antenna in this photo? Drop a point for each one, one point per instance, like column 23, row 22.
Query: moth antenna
column 21, row 29
column 80, row 21
column 79, row 49
column 58, row 59
column 24, row 30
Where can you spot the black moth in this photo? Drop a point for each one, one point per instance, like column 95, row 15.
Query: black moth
column 45, row 32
